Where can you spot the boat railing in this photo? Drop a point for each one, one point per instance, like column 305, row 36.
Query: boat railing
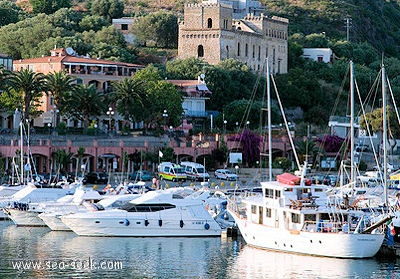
column 234, row 207
column 326, row 226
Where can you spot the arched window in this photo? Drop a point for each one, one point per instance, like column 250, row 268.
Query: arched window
column 200, row 51
column 209, row 23
column 246, row 50
column 238, row 50
column 227, row 52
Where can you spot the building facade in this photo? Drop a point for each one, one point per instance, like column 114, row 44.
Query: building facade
column 209, row 32
column 86, row 70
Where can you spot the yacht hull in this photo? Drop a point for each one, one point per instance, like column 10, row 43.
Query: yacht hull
column 25, row 217
column 338, row 245
column 54, row 222
column 135, row 225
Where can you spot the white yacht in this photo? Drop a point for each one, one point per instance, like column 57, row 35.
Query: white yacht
column 24, row 206
column 171, row 212
column 294, row 217
column 52, row 217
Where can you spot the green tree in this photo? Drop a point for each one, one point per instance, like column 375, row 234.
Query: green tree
column 49, row 6
column 160, row 27
column 86, row 103
column 62, row 159
column 108, row 9
column 129, row 95
column 29, row 86
column 10, row 13
column 93, row 22
column 189, row 68
column 60, row 85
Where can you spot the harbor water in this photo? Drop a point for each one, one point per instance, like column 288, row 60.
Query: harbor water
column 27, row 252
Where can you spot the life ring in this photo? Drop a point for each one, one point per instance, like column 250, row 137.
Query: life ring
column 207, row 226
column 126, row 222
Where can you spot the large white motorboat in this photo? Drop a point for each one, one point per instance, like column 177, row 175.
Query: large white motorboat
column 293, row 217
column 52, row 217
column 170, row 212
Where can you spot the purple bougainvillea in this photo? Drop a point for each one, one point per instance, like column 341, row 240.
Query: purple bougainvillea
column 250, row 143
column 331, row 143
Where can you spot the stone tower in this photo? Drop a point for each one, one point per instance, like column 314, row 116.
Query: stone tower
column 209, row 32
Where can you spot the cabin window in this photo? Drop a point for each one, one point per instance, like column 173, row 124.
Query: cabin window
column 277, row 194
column 295, row 218
column 166, row 169
column 146, row 207
column 310, row 217
column 268, row 212
column 124, row 26
column 318, row 190
column 269, row 193
column 254, row 209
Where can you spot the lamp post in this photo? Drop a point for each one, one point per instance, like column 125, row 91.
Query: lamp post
column 247, row 124
column 110, row 114
column 54, row 111
column 165, row 116
column 225, row 126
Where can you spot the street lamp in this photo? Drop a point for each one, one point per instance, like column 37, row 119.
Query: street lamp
column 165, row 116
column 54, row 112
column 225, row 126
column 247, row 124
column 110, row 114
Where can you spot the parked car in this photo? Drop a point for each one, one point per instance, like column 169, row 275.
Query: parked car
column 141, row 175
column 225, row 174
column 96, row 177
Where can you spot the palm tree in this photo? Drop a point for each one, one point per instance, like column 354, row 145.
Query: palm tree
column 4, row 78
column 30, row 86
column 80, row 153
column 85, row 103
column 62, row 159
column 61, row 86
column 128, row 95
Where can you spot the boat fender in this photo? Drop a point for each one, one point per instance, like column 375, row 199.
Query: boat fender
column 207, row 226
column 160, row 223
column 126, row 222
column 146, row 222
column 181, row 223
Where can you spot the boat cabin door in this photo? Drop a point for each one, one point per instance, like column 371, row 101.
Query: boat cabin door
column 260, row 214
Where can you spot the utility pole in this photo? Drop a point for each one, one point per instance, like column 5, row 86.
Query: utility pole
column 348, row 23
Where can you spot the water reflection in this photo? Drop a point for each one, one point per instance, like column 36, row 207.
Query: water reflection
column 178, row 258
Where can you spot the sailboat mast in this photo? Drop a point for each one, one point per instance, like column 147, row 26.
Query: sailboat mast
column 269, row 123
column 21, row 144
column 352, row 171
column 384, row 136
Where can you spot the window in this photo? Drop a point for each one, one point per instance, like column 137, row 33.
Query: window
column 209, row 23
column 269, row 193
column 246, row 50
column 124, row 26
column 227, row 52
column 259, row 53
column 238, row 49
column 295, row 218
column 268, row 212
column 254, row 209
column 200, row 51
column 254, row 51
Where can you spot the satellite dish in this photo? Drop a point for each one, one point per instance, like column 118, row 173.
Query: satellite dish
column 70, row 51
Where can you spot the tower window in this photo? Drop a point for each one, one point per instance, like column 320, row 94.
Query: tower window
column 200, row 51
column 209, row 23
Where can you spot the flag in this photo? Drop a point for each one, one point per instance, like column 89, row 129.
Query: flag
column 160, row 154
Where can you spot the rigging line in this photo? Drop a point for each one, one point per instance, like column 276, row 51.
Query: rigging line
column 285, row 121
column 368, row 127
column 394, row 102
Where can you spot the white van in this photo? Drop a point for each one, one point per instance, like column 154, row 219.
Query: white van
column 171, row 171
column 195, row 171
